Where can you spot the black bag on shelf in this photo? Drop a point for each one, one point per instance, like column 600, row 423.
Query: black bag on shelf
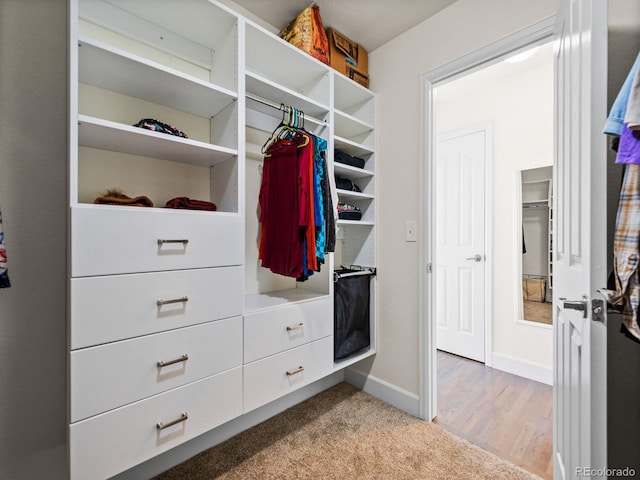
column 349, row 212
column 346, row 184
column 352, row 330
column 341, row 156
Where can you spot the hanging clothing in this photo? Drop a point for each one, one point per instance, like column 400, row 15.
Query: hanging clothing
column 4, row 273
column 281, row 194
column 626, row 296
column 319, row 175
column 632, row 116
column 292, row 205
column 626, row 248
column 329, row 220
column 629, row 147
column 615, row 122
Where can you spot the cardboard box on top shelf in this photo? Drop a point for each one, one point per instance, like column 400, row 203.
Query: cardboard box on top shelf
column 348, row 58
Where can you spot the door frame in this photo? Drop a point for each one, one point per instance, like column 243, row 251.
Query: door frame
column 536, row 33
column 487, row 128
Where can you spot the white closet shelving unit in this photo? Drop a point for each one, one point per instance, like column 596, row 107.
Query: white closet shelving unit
column 354, row 133
column 174, row 326
column 156, row 293
column 288, row 325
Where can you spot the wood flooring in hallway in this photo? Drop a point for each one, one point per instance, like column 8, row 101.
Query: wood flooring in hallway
column 505, row 414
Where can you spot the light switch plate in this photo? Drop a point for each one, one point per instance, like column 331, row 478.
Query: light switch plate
column 411, row 233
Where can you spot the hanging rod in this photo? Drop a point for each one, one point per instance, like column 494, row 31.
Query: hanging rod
column 276, row 106
column 354, row 270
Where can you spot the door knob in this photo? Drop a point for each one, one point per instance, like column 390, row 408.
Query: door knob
column 475, row 258
column 576, row 305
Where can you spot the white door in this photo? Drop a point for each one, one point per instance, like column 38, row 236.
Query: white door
column 579, row 239
column 460, row 242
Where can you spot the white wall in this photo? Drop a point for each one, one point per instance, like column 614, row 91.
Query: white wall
column 520, row 109
column 396, row 70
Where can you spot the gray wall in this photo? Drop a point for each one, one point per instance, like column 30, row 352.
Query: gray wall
column 623, row 355
column 33, row 194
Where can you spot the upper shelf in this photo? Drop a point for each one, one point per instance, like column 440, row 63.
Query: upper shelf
column 107, row 67
column 107, row 135
column 353, row 173
column 197, row 31
column 350, row 127
column 270, row 57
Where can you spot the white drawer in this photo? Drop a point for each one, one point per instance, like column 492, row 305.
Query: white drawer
column 106, row 309
column 112, row 375
column 103, row 446
column 109, row 240
column 273, row 377
column 273, row 331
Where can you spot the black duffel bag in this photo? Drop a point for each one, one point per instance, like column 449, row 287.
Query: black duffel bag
column 341, row 156
column 346, row 184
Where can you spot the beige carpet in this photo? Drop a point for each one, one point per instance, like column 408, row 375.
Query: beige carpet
column 344, row 433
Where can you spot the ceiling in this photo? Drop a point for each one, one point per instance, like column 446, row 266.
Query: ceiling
column 370, row 23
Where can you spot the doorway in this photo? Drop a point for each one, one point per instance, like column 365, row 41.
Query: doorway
column 516, row 100
column 511, row 100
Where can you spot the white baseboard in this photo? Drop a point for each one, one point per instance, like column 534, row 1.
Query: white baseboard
column 181, row 453
column 385, row 391
column 523, row 368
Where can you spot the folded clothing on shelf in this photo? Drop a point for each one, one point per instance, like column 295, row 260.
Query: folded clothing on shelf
column 116, row 197
column 191, row 204
column 158, row 126
column 349, row 212
column 341, row 156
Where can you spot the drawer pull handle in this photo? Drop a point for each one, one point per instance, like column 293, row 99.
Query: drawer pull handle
column 183, row 241
column 300, row 369
column 162, row 425
column 183, row 358
column 160, row 301
column 295, row 327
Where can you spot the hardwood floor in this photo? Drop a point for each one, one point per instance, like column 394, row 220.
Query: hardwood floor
column 505, row 414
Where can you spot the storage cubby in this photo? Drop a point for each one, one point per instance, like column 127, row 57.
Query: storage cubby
column 198, row 37
column 133, row 65
column 353, row 100
column 271, row 61
column 278, row 73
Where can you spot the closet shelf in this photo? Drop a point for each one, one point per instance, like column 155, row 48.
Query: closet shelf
column 186, row 30
column 113, row 69
column 349, row 126
column 349, row 94
column 280, row 61
column 279, row 298
column 362, row 223
column 349, row 195
column 351, row 147
column 108, row 135
column 157, row 210
column 351, row 359
column 263, row 87
column 352, row 173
